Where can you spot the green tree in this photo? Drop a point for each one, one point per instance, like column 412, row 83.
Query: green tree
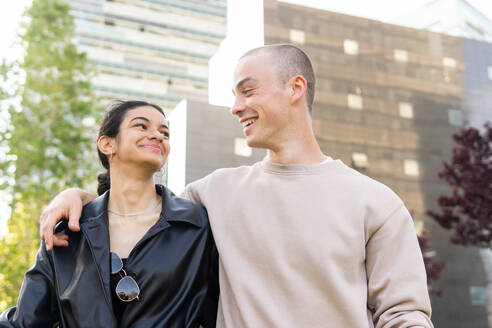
column 49, row 146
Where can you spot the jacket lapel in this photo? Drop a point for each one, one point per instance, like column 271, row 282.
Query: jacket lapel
column 174, row 210
column 94, row 226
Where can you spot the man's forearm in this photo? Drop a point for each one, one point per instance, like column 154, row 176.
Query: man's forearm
column 67, row 204
column 85, row 196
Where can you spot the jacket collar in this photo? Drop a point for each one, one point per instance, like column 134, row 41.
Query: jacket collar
column 94, row 226
column 174, row 209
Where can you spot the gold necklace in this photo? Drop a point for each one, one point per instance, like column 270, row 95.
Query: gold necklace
column 136, row 213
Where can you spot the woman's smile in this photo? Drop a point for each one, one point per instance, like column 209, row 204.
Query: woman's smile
column 153, row 147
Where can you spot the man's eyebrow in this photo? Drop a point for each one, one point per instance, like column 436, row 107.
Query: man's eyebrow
column 240, row 84
column 147, row 120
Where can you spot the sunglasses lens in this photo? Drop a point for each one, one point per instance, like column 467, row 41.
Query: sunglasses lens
column 116, row 263
column 127, row 289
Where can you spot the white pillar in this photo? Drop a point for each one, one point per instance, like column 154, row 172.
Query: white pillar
column 176, row 162
column 245, row 31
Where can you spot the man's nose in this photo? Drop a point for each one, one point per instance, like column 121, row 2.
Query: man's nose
column 237, row 107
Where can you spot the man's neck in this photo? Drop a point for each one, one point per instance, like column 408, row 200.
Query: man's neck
column 297, row 153
column 298, row 146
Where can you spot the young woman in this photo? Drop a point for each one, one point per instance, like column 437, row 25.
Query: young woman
column 143, row 257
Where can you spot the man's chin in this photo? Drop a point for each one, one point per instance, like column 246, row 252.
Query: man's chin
column 255, row 143
column 251, row 142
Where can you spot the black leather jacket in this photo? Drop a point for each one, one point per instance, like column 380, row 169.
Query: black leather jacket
column 174, row 264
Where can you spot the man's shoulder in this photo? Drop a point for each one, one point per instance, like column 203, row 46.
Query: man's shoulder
column 367, row 189
column 372, row 199
column 215, row 182
column 226, row 173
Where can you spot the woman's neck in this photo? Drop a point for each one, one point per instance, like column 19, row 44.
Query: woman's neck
column 131, row 193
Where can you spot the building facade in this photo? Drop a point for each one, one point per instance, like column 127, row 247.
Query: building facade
column 388, row 100
column 157, row 50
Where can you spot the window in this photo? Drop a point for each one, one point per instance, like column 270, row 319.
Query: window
column 297, row 36
column 411, row 167
column 455, row 117
column 400, row 55
column 354, row 101
column 241, row 147
column 406, row 109
column 419, row 227
column 351, row 47
column 359, row 161
column 490, row 72
column 449, row 62
column 478, row 295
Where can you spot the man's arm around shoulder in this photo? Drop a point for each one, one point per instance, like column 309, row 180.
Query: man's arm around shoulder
column 67, row 204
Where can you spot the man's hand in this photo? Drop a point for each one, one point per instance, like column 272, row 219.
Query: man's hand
column 67, row 204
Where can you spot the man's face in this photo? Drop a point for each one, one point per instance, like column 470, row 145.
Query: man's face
column 261, row 102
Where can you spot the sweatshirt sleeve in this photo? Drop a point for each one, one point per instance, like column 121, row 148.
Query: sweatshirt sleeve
column 191, row 192
column 397, row 286
column 37, row 305
column 210, row 306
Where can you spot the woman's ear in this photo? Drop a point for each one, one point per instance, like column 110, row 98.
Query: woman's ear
column 106, row 145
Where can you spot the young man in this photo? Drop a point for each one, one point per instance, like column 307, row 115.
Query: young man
column 304, row 240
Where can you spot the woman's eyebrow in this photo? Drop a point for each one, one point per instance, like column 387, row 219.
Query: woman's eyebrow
column 140, row 118
column 147, row 120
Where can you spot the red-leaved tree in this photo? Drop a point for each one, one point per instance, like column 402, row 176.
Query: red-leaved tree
column 468, row 210
column 433, row 267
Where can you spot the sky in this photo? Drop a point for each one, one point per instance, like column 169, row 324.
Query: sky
column 384, row 10
column 10, row 15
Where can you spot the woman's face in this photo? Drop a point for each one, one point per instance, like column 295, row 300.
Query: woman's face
column 143, row 138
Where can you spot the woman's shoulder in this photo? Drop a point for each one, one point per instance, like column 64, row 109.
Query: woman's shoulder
column 95, row 208
column 176, row 208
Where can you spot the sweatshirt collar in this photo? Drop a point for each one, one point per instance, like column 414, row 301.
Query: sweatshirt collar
column 294, row 169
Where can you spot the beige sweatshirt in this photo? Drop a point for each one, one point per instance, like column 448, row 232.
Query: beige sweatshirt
column 312, row 246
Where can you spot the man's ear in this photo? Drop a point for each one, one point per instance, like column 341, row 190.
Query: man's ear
column 106, row 145
column 298, row 88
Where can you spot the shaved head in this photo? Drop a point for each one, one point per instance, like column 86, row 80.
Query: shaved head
column 289, row 61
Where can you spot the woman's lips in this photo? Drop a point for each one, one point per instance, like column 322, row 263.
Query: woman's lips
column 154, row 148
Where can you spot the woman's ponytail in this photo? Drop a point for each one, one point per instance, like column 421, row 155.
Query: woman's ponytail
column 104, row 183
